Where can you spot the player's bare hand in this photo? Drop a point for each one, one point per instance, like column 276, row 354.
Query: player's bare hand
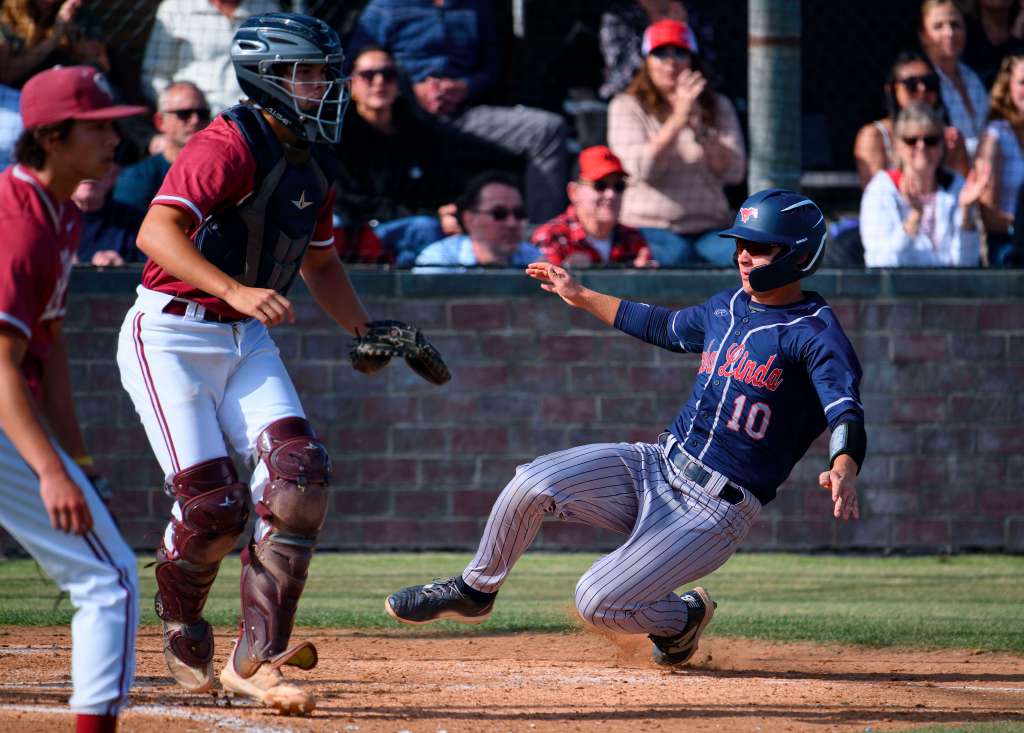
column 65, row 504
column 555, row 279
column 267, row 306
column 842, row 482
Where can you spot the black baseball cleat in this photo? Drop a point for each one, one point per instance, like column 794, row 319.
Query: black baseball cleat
column 673, row 651
column 421, row 604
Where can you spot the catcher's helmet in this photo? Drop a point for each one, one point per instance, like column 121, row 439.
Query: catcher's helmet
column 789, row 220
column 266, row 51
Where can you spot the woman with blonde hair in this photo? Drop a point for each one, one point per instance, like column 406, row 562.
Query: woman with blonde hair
column 681, row 143
column 1002, row 148
column 38, row 34
column 943, row 36
column 920, row 214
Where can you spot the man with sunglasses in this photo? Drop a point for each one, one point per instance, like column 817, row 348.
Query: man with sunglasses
column 182, row 111
column 492, row 214
column 588, row 233
column 775, row 370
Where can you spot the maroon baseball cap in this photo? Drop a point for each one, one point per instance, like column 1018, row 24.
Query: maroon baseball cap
column 70, row 93
column 597, row 162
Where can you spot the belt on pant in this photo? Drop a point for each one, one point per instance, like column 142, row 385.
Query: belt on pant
column 180, row 308
column 698, row 474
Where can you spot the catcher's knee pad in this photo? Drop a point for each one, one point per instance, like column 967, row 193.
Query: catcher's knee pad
column 213, row 507
column 295, row 498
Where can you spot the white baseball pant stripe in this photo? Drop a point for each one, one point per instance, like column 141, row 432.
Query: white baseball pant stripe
column 677, row 532
column 195, row 382
column 98, row 572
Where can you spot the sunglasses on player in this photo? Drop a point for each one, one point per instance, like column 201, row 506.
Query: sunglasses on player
column 387, row 74
column 930, row 82
column 500, row 213
column 202, row 113
column 930, row 141
column 618, row 186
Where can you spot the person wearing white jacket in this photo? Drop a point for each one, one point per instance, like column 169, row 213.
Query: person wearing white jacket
column 921, row 215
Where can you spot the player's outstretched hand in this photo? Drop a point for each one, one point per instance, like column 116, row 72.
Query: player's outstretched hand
column 842, row 482
column 65, row 504
column 269, row 307
column 555, row 279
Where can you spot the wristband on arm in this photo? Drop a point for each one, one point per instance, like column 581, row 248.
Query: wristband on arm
column 849, row 438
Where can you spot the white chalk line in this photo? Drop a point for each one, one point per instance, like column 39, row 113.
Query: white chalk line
column 217, row 719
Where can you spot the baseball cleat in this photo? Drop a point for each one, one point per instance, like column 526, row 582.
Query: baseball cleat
column 673, row 651
column 188, row 651
column 268, row 686
column 421, row 604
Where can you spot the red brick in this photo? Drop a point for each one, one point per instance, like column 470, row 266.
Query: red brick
column 102, row 377
column 309, row 315
column 128, row 503
column 382, row 408
column 448, row 534
column 497, row 471
column 615, row 347
column 663, row 379
column 104, row 313
column 1001, row 440
column 922, row 533
column 104, row 440
column 417, row 440
column 1015, row 534
column 901, row 316
column 929, row 473
column 806, row 533
column 978, row 534
column 311, row 376
column 975, row 408
column 389, row 473
column 358, row 440
column 557, row 347
column 509, row 346
column 444, row 472
column 951, row 316
column 390, row 533
column 1000, row 503
column 846, row 313
column 761, row 536
column 472, row 503
column 872, row 347
column 546, row 315
column 566, row 536
column 361, row 503
column 426, row 314
column 917, row 410
column 600, row 379
column 507, row 407
column 1003, row 316
column 817, row 502
column 873, row 533
column 542, row 377
column 889, row 501
column 91, row 344
column 479, row 316
column 420, row 503
column 470, row 441
column 977, row 347
column 626, row 410
column 478, row 376
column 456, row 347
column 449, row 407
column 917, row 347
column 569, row 409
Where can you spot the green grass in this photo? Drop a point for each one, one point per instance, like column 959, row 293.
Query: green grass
column 970, row 601
column 1002, row 726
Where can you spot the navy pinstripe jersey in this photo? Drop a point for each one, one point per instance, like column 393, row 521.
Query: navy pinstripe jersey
column 770, row 380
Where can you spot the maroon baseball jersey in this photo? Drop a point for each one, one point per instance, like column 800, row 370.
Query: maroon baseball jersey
column 40, row 240
column 215, row 170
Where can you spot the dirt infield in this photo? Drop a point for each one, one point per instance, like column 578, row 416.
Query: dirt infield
column 545, row 682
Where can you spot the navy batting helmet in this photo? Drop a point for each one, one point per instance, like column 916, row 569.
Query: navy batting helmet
column 789, row 220
column 267, row 52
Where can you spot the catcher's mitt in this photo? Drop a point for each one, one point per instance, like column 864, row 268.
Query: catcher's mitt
column 373, row 349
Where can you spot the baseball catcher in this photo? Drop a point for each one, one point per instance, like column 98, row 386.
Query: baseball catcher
column 373, row 349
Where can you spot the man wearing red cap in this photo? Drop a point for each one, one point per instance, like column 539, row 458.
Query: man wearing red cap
column 46, row 501
column 588, row 233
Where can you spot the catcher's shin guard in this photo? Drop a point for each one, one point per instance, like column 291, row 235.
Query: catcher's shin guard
column 274, row 569
column 213, row 507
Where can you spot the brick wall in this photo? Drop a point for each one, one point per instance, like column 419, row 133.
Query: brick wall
column 418, row 466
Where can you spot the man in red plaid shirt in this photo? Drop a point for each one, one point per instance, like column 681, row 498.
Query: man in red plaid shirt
column 588, row 233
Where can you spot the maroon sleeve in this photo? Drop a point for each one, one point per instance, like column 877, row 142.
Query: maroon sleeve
column 23, row 290
column 323, row 235
column 214, row 170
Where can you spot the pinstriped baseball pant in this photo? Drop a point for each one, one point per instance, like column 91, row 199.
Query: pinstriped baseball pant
column 676, row 531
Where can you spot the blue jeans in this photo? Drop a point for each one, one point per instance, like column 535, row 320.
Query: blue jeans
column 407, row 237
column 683, row 250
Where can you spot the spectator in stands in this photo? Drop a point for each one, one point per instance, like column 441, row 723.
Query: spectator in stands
column 393, row 179
column 943, row 35
column 919, row 214
column 995, row 30
column 1016, row 256
column 622, row 29
column 912, row 78
column 588, row 233
column 191, row 39
column 449, row 49
column 10, row 124
column 181, row 113
column 681, row 143
column 1002, row 149
column 38, row 34
column 109, row 228
column 491, row 212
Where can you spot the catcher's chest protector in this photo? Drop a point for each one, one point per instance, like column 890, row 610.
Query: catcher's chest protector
column 261, row 241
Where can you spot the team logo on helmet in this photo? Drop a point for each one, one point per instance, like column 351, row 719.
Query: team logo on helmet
column 748, row 213
column 101, row 82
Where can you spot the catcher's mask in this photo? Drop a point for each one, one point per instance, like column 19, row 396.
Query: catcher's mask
column 788, row 220
column 268, row 52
